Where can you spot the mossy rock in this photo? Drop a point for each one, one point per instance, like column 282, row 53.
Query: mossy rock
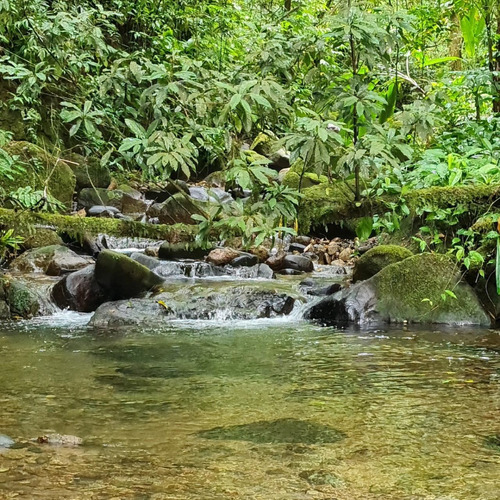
column 39, row 166
column 42, row 237
column 123, row 277
column 89, row 172
column 267, row 146
column 376, row 259
column 425, row 288
column 90, row 197
column 22, row 301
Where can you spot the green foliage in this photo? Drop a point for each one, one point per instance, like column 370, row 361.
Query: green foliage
column 9, row 242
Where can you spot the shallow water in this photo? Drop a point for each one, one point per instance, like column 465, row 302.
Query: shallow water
column 269, row 409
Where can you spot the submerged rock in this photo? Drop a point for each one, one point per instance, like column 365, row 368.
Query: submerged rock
column 122, row 277
column 52, row 260
column 371, row 262
column 420, row 289
column 60, row 440
column 284, row 430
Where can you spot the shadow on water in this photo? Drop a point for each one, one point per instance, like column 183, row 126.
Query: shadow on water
column 283, row 430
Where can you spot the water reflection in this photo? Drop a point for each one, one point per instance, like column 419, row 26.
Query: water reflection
column 275, row 411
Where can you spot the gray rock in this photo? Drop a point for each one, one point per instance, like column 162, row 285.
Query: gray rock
column 79, row 291
column 52, row 260
column 245, row 260
column 176, row 251
column 299, row 263
column 90, row 197
column 102, row 211
column 177, row 209
column 150, row 262
column 297, row 247
column 289, row 272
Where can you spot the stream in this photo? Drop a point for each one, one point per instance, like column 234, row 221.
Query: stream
column 264, row 409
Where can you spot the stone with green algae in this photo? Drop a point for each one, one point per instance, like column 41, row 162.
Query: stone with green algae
column 375, row 259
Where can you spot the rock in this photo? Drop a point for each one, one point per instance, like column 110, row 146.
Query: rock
column 121, row 277
column 302, row 240
column 275, row 262
column 334, row 249
column 345, row 254
column 176, row 209
column 176, row 251
column 297, row 247
column 264, row 272
column 146, row 260
column 102, row 211
column 132, row 205
column 23, row 301
column 79, row 291
column 40, row 165
column 299, row 263
column 89, row 172
column 325, row 290
column 367, row 245
column 60, row 440
column 245, row 260
column 371, row 262
column 222, row 256
column 53, row 260
column 265, row 145
column 195, row 302
column 412, row 290
column 171, row 188
column 214, row 195
column 41, row 238
column 261, row 252
column 282, row 174
column 90, row 197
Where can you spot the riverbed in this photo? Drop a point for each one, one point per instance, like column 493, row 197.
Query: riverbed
column 267, row 409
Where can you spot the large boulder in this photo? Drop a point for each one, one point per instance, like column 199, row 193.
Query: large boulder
column 374, row 260
column 19, row 300
column 122, row 277
column 52, row 260
column 425, row 288
column 235, row 302
column 79, row 291
column 89, row 172
column 90, row 197
column 40, row 168
column 177, row 209
column 299, row 263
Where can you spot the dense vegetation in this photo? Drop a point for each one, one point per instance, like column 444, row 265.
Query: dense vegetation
column 385, row 97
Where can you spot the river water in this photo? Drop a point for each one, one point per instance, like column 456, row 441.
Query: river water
column 267, row 409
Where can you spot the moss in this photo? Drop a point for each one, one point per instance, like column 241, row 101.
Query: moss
column 377, row 258
column 39, row 166
column 263, row 144
column 41, row 237
column 22, row 301
column 411, row 290
column 88, row 172
column 77, row 227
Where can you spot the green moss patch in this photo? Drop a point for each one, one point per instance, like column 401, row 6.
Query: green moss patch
column 377, row 258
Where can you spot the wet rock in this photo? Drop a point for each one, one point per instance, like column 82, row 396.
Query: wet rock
column 284, row 430
column 412, row 290
column 325, row 290
column 146, row 260
column 261, row 271
column 194, row 302
column 245, row 260
column 102, row 211
column 79, row 291
column 222, row 256
column 275, row 261
column 52, row 260
column 376, row 259
column 133, row 205
column 122, row 277
column 177, row 251
column 297, row 247
column 289, row 272
column 22, row 300
column 299, row 263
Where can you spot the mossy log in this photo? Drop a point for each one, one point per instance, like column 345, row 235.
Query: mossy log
column 25, row 224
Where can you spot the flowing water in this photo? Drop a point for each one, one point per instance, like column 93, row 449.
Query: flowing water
column 267, row 409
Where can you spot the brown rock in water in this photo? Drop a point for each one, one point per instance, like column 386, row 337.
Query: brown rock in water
column 345, row 255
column 275, row 262
column 222, row 256
column 60, row 440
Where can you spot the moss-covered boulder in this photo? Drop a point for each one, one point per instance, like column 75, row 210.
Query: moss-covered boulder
column 374, row 260
column 23, row 301
column 425, row 288
column 89, row 172
column 123, row 278
column 42, row 237
column 53, row 260
column 40, row 167
column 268, row 146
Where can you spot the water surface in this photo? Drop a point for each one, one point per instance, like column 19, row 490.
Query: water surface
column 269, row 409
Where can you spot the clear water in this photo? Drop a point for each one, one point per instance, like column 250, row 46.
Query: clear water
column 253, row 410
